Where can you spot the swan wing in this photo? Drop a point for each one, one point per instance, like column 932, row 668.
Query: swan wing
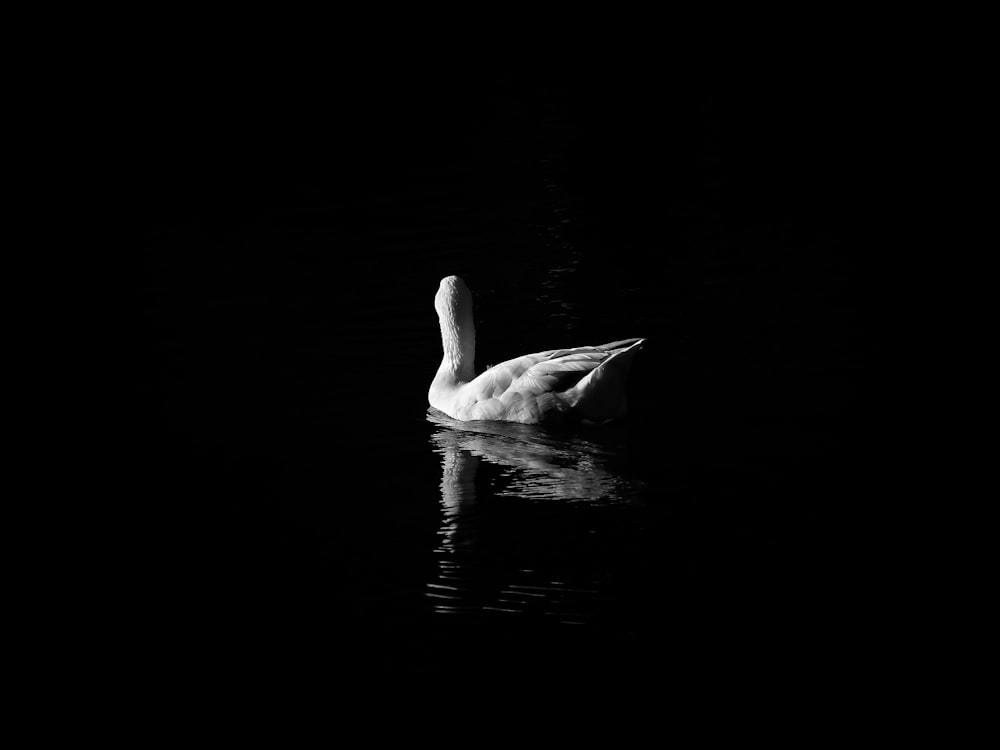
column 497, row 379
column 558, row 373
column 561, row 369
column 525, row 388
column 549, row 371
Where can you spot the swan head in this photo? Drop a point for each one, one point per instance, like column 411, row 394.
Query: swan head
column 453, row 303
column 453, row 299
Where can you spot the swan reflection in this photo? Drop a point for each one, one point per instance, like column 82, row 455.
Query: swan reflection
column 494, row 551
column 539, row 464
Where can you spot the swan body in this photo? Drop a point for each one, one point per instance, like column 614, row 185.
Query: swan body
column 586, row 382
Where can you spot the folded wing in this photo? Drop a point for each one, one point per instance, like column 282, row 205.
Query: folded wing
column 562, row 369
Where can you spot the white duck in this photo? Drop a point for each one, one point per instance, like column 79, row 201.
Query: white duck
column 587, row 382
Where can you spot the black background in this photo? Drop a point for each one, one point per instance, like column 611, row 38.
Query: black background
column 752, row 170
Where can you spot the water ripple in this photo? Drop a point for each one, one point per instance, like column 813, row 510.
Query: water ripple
column 488, row 532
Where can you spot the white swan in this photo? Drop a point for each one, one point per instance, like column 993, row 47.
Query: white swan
column 587, row 382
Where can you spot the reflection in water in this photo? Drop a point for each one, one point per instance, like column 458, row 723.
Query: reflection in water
column 540, row 464
column 492, row 554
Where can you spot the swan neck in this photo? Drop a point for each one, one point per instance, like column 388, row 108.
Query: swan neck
column 458, row 339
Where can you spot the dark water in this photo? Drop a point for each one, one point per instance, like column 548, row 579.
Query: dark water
column 306, row 507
